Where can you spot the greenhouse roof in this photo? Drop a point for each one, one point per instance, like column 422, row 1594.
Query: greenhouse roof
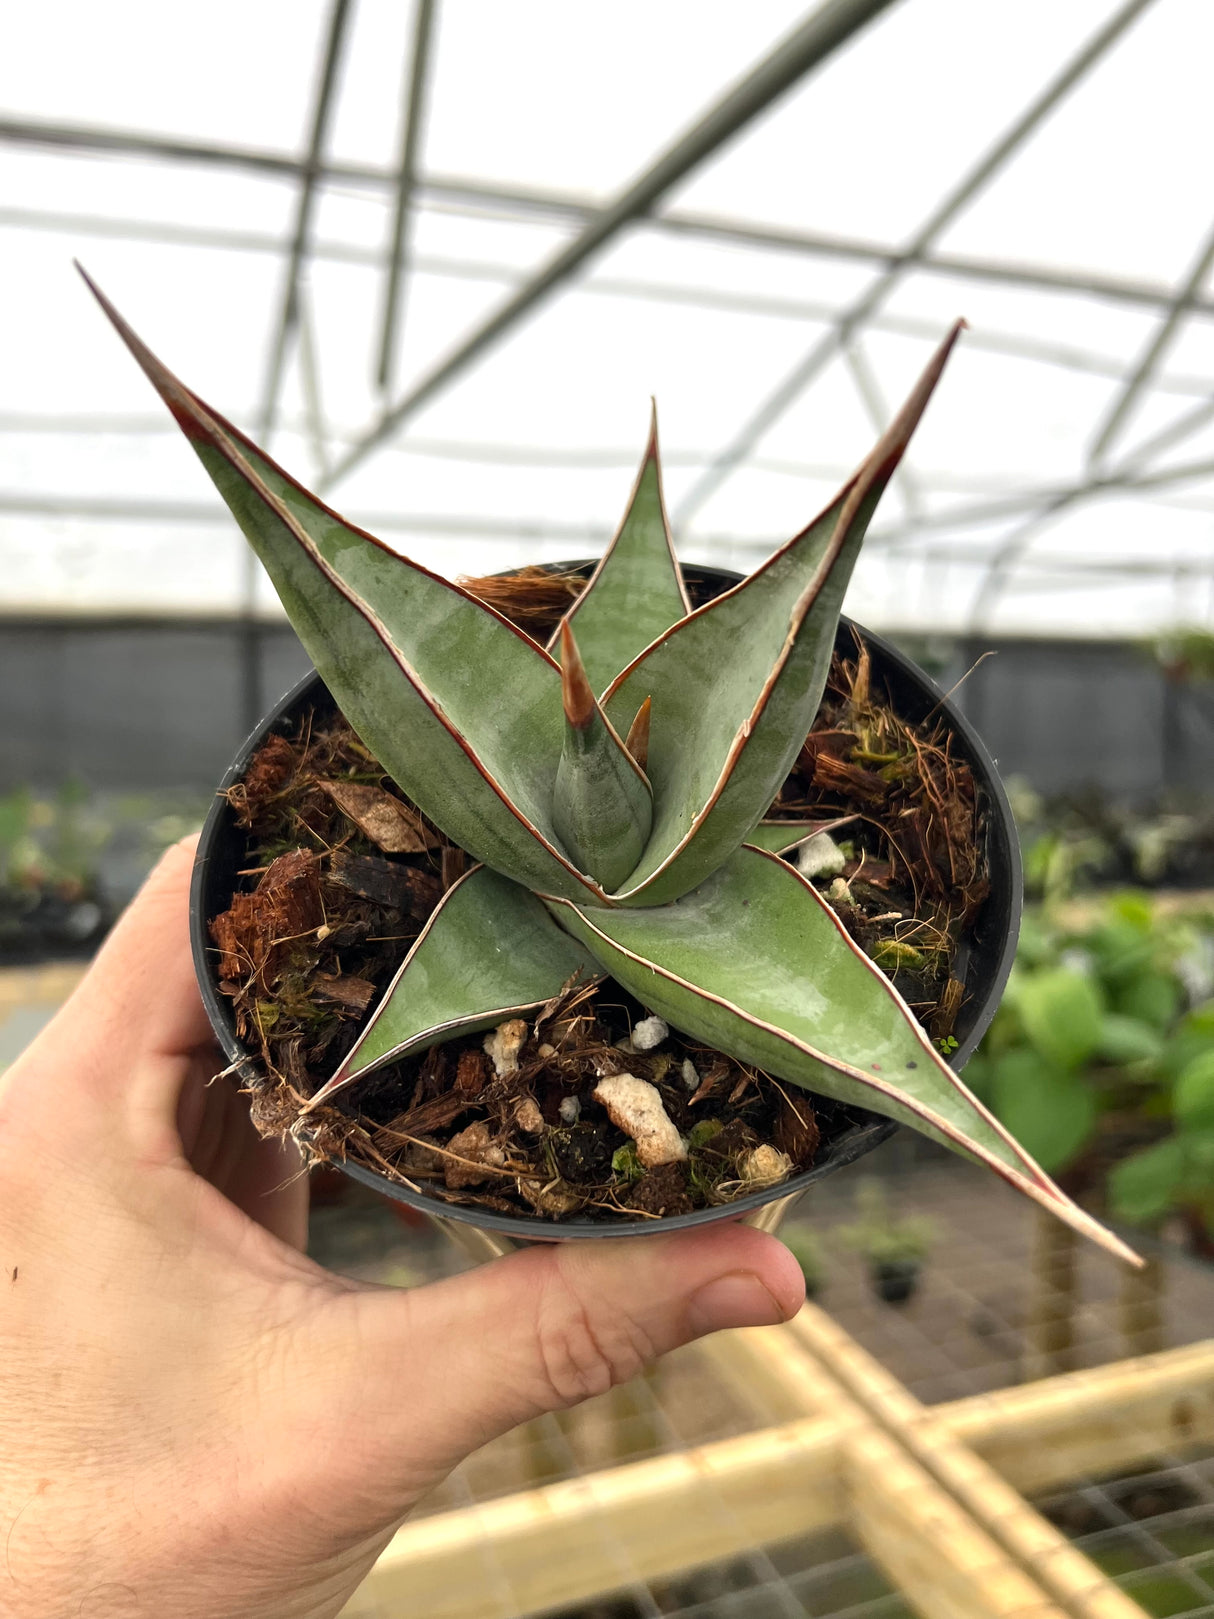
column 439, row 257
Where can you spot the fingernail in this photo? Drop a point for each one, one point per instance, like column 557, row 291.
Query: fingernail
column 737, row 1300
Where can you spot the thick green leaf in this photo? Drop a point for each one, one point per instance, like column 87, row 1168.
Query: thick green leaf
column 1050, row 1112
column 461, row 708
column 1128, row 1040
column 1063, row 1013
column 1191, row 1037
column 1199, row 1166
column 602, row 807
column 1154, row 996
column 1193, row 1097
column 489, row 951
column 736, row 685
column 1199, row 1020
column 636, row 593
column 755, row 963
column 1142, row 1188
column 782, row 837
column 1120, row 949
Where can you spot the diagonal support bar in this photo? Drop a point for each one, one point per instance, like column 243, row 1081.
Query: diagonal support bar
column 798, row 379
column 1013, row 547
column 1033, row 1546
column 288, row 316
column 411, row 136
column 1113, row 423
column 1185, row 426
column 821, row 34
column 285, row 327
column 512, row 202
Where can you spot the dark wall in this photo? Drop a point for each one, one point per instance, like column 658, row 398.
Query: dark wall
column 1070, row 714
column 137, row 704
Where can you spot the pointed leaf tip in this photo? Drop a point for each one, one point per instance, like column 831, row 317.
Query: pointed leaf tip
column 602, row 805
column 636, row 592
column 181, row 403
column 755, row 963
column 651, row 444
column 637, row 741
column 481, row 762
column 736, row 683
column 576, row 692
column 892, row 445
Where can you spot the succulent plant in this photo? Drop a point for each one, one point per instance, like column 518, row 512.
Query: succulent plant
column 613, row 786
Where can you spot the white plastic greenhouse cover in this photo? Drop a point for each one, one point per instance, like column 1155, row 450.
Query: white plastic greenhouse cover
column 1040, row 168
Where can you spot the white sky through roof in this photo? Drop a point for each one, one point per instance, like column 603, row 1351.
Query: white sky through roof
column 1065, row 263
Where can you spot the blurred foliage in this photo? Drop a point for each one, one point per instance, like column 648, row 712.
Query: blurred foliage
column 70, row 859
column 1186, row 656
column 48, row 841
column 1084, row 839
column 880, row 1235
column 1101, row 1057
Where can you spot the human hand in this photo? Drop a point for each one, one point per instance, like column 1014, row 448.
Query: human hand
column 195, row 1419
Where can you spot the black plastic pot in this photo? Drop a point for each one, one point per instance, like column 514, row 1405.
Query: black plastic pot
column 983, row 964
column 51, row 923
column 895, row 1280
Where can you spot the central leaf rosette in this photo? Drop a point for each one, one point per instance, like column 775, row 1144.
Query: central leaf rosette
column 614, row 786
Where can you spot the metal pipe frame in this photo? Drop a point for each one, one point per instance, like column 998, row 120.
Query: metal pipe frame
column 447, row 193
column 1009, row 344
column 818, row 37
column 119, row 509
column 1038, row 501
column 804, row 49
column 1175, row 433
column 1119, row 412
column 411, row 136
column 790, row 388
column 1014, row 547
column 288, row 316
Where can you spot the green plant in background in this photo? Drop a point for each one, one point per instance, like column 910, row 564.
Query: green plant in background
column 1101, row 1058
column 1186, row 655
column 1176, row 1174
column 51, row 839
column 61, row 839
column 16, row 849
column 70, row 838
column 879, row 1235
column 1081, row 840
column 48, row 889
column 613, row 784
column 70, row 858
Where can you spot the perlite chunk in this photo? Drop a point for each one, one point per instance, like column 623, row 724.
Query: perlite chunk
column 503, row 1045
column 820, row 856
column 527, row 1115
column 635, row 1106
column 649, row 1033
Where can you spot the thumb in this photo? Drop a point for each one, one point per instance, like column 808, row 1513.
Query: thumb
column 445, row 1368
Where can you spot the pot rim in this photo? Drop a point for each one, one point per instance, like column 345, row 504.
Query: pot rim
column 847, row 1148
